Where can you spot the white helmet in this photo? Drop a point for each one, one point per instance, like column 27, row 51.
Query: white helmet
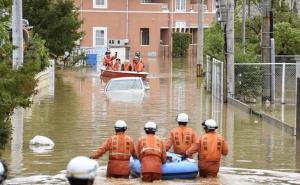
column 82, row 168
column 3, row 171
column 120, row 124
column 150, row 126
column 210, row 124
column 182, row 117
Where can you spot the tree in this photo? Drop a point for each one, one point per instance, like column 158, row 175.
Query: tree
column 5, row 45
column 214, row 41
column 287, row 39
column 16, row 86
column 56, row 22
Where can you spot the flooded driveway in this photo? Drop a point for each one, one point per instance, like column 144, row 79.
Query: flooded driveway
column 78, row 116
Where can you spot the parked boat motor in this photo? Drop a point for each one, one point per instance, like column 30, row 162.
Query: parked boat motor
column 82, row 171
column 3, row 171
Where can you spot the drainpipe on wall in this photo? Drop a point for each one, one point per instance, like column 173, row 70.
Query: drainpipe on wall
column 127, row 19
column 127, row 49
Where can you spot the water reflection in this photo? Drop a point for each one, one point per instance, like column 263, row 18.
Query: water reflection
column 43, row 149
column 17, row 141
column 126, row 97
column 79, row 117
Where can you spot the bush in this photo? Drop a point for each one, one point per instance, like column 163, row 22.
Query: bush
column 181, row 43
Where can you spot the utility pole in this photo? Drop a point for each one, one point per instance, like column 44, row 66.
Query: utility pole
column 298, row 102
column 230, row 48
column 171, row 29
column 200, row 36
column 266, row 49
column 244, row 25
column 272, row 59
column 17, row 33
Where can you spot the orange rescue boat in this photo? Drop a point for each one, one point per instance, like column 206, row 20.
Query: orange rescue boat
column 118, row 74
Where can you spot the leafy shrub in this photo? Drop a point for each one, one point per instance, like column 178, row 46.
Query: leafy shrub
column 181, row 43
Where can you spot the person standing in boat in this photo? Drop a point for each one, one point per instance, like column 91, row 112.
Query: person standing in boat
column 138, row 55
column 117, row 64
column 181, row 137
column 210, row 147
column 120, row 147
column 137, row 65
column 108, row 60
column 126, row 66
column 151, row 153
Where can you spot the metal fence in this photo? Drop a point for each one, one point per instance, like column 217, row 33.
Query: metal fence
column 214, row 77
column 253, row 81
column 213, row 70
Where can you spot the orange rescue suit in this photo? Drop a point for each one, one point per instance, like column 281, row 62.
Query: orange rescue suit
column 210, row 147
column 138, row 66
column 108, row 62
column 181, row 138
column 120, row 147
column 151, row 153
column 126, row 67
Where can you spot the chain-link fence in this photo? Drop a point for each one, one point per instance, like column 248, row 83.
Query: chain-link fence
column 256, row 82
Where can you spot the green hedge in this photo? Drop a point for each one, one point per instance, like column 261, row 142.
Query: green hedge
column 181, row 43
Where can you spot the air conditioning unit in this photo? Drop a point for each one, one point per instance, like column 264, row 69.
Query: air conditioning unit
column 117, row 42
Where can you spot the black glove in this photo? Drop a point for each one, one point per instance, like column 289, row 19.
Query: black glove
column 134, row 157
column 183, row 157
column 169, row 159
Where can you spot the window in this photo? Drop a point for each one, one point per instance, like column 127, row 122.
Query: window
column 99, row 36
column 144, row 36
column 99, row 3
column 180, row 5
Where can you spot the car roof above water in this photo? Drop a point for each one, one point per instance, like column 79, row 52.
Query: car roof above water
column 125, row 78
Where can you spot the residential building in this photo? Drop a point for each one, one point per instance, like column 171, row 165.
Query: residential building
column 139, row 25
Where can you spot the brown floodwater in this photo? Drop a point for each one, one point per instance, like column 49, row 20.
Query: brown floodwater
column 77, row 115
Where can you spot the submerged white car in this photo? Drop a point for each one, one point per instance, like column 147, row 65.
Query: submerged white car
column 126, row 89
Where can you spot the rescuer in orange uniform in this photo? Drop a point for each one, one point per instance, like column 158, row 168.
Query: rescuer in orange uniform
column 126, row 66
column 182, row 136
column 138, row 54
column 108, row 60
column 151, row 153
column 137, row 65
column 120, row 147
column 117, row 64
column 210, row 147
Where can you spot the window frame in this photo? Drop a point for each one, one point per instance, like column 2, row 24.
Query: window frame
column 99, row 6
column 184, row 6
column 141, row 37
column 95, row 29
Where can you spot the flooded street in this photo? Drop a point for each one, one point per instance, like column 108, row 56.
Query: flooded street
column 78, row 116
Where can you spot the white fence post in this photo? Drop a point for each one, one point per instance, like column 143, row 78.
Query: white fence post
column 222, row 82
column 283, row 84
column 207, row 71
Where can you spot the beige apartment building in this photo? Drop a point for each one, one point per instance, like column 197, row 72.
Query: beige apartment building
column 127, row 26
